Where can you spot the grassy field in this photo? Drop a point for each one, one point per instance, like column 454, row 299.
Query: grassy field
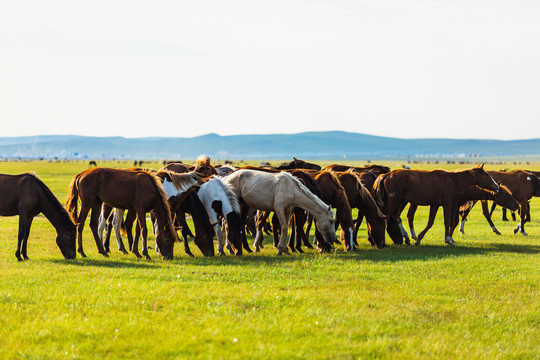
column 477, row 300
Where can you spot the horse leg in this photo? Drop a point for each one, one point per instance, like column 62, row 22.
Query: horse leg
column 410, row 220
column 487, row 215
column 403, row 231
column 25, row 221
column 130, row 218
column 283, row 216
column 118, row 217
column 523, row 213
column 94, row 222
column 305, row 233
column 80, row 227
column 513, row 216
column 431, row 220
column 309, row 221
column 102, row 225
column 299, row 214
column 359, row 220
column 260, row 220
column 141, row 222
column 292, row 237
column 447, row 209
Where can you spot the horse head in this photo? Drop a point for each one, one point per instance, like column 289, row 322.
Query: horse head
column 66, row 242
column 326, row 225
column 484, row 180
column 504, row 198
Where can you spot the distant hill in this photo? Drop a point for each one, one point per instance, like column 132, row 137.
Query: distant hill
column 309, row 145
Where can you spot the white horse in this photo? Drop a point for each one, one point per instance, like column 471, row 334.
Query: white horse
column 173, row 184
column 281, row 193
column 219, row 199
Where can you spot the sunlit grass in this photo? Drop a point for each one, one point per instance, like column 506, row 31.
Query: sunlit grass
column 476, row 300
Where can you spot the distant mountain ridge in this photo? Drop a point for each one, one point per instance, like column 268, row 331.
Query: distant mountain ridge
column 309, row 145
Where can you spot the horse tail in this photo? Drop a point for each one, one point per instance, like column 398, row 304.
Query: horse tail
column 73, row 198
column 381, row 196
column 163, row 200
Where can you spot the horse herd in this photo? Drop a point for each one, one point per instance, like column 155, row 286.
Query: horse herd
column 226, row 202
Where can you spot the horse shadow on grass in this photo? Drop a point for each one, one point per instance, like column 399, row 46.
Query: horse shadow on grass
column 394, row 253
column 108, row 263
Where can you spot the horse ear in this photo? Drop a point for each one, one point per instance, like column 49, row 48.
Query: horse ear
column 481, row 166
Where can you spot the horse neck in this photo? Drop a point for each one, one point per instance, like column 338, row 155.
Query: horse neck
column 220, row 194
column 57, row 216
column 310, row 203
column 475, row 193
column 464, row 179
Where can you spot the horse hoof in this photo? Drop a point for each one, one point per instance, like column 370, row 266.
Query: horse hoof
column 221, row 253
column 104, row 254
column 523, row 232
column 82, row 253
column 138, row 255
column 257, row 249
column 515, row 231
column 450, row 242
column 417, row 243
column 148, row 257
column 497, row 232
column 300, row 250
column 408, row 242
column 309, row 246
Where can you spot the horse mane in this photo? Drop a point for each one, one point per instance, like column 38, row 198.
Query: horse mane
column 380, row 192
column 231, row 195
column 53, row 200
column 183, row 181
column 366, row 195
column 202, row 160
column 157, row 184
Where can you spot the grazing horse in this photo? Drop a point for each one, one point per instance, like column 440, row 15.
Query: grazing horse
column 523, row 185
column 367, row 175
column 123, row 189
column 375, row 169
column 219, row 199
column 298, row 164
column 281, row 193
column 439, row 187
column 503, row 197
column 359, row 197
column 335, row 195
column 27, row 196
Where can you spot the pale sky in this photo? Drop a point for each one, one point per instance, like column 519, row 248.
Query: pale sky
column 402, row 68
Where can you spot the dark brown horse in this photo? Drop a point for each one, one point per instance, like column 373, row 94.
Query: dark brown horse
column 298, row 164
column 503, row 197
column 359, row 197
column 439, row 187
column 123, row 189
column 523, row 185
column 374, row 169
column 27, row 196
column 335, row 195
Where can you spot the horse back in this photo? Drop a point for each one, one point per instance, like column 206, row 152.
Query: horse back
column 19, row 193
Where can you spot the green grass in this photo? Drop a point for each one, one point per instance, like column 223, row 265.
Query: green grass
column 476, row 300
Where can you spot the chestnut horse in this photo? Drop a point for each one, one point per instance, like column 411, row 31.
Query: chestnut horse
column 439, row 187
column 123, row 189
column 503, row 197
column 27, row 196
column 298, row 164
column 523, row 185
column 281, row 193
column 359, row 197
column 335, row 195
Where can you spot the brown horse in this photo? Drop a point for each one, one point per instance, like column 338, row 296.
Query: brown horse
column 335, row 195
column 523, row 185
column 503, row 197
column 359, row 197
column 298, row 164
column 123, row 189
column 439, row 187
column 27, row 196
column 374, row 169
column 202, row 167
